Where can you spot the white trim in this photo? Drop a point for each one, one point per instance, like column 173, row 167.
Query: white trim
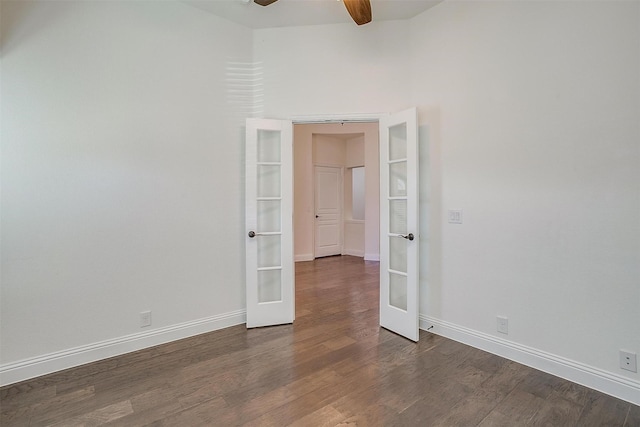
column 372, row 257
column 607, row 382
column 36, row 366
column 304, row 257
column 357, row 253
column 337, row 118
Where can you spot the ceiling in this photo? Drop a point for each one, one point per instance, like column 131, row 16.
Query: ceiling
column 290, row 13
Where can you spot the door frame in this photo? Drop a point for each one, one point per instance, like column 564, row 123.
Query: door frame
column 337, row 118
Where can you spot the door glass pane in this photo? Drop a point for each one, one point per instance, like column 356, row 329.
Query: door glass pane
column 398, row 216
column 398, row 179
column 268, row 145
column 268, row 215
column 269, row 286
column 268, row 181
column 398, row 254
column 398, row 291
column 398, row 142
column 268, row 251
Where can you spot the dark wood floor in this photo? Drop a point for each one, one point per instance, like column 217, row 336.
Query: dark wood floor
column 334, row 366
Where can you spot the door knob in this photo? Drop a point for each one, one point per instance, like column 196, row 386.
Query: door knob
column 408, row 236
column 317, row 216
column 252, row 234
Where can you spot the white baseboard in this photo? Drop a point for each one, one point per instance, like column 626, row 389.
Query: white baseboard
column 353, row 252
column 588, row 376
column 595, row 378
column 34, row 367
column 372, row 257
column 304, row 257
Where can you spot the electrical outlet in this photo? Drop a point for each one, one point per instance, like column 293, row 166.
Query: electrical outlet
column 628, row 361
column 503, row 324
column 145, row 318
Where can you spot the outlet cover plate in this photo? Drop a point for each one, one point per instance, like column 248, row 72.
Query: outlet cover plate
column 503, row 324
column 628, row 361
column 145, row 318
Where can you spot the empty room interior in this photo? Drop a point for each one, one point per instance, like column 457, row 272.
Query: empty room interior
column 124, row 186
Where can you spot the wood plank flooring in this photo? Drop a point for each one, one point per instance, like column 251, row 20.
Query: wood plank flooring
column 333, row 367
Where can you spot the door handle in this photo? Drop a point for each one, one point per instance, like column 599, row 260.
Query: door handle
column 406, row 236
column 317, row 216
column 253, row 234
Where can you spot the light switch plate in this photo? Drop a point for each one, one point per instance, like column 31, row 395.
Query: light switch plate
column 455, row 216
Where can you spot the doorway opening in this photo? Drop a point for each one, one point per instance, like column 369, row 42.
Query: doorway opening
column 336, row 201
column 336, row 190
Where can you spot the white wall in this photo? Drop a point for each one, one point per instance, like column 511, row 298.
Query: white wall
column 334, row 69
column 121, row 172
column 534, row 117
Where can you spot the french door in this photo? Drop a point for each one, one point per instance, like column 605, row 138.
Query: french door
column 399, row 235
column 269, row 222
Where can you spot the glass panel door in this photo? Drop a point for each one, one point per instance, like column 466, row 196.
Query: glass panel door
column 399, row 224
column 269, row 207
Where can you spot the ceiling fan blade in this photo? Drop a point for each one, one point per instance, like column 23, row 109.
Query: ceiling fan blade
column 360, row 10
column 264, row 2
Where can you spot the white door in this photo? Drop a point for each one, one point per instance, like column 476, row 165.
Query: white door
column 328, row 207
column 399, row 234
column 269, row 222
